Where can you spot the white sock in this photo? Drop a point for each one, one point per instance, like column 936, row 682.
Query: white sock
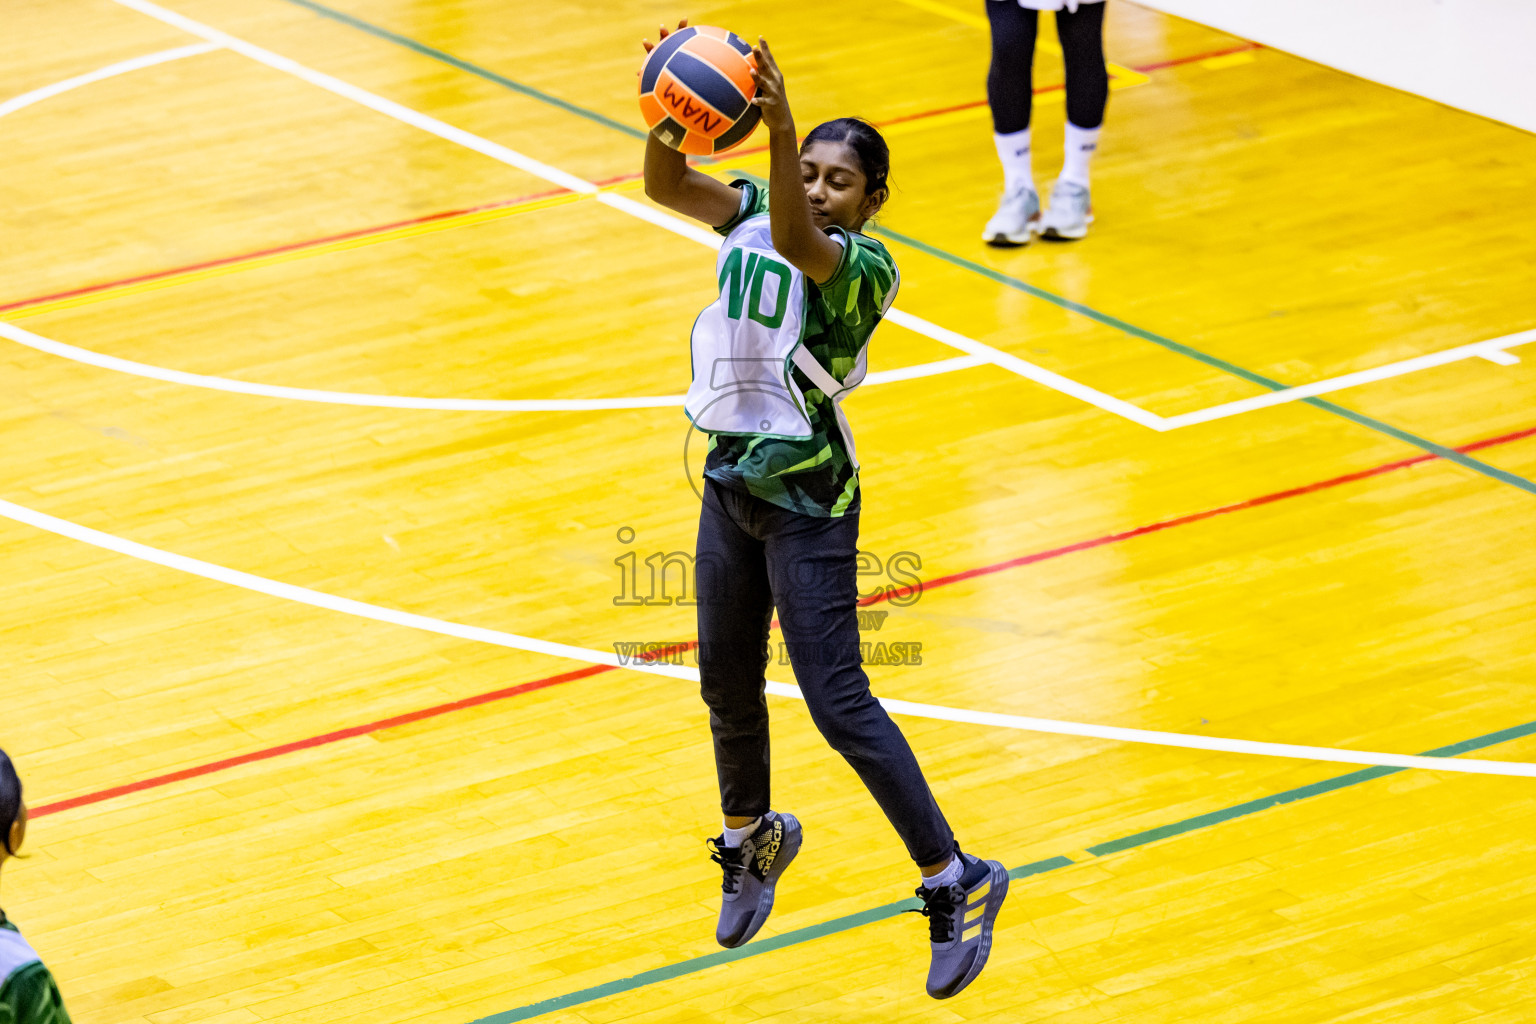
column 735, row 836
column 1081, row 142
column 946, row 876
column 1013, row 151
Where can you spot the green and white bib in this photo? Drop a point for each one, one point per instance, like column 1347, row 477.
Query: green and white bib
column 773, row 357
column 746, row 343
column 27, row 992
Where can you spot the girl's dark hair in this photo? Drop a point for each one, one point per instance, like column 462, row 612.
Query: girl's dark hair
column 10, row 800
column 867, row 144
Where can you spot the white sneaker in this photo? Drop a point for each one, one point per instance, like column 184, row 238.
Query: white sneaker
column 1070, row 214
column 1017, row 219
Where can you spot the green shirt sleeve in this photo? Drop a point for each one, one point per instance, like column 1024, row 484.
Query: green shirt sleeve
column 754, row 201
column 29, row 996
column 858, row 291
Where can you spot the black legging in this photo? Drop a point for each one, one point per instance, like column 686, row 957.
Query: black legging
column 1010, row 81
column 754, row 556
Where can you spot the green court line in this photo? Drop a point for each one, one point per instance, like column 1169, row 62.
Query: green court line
column 473, row 69
column 725, row 956
column 1199, row 821
column 889, row 910
column 1448, row 454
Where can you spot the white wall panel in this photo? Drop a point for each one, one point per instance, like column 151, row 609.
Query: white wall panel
column 1479, row 55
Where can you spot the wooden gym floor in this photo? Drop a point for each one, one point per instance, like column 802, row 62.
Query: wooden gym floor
column 288, row 682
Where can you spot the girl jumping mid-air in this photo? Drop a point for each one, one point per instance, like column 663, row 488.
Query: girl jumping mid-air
column 801, row 290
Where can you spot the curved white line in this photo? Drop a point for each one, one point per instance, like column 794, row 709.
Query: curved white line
column 564, row 179
column 26, row 99
column 1494, row 350
column 1491, row 349
column 83, row 355
column 479, row 634
column 975, row 349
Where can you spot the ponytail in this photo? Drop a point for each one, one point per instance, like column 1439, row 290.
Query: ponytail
column 10, row 800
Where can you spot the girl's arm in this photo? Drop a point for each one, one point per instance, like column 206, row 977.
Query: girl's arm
column 672, row 183
column 795, row 235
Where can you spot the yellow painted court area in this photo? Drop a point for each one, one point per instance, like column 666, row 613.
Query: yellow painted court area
column 314, row 699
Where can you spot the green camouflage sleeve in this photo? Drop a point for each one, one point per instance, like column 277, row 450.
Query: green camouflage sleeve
column 859, row 290
column 29, row 996
column 754, row 200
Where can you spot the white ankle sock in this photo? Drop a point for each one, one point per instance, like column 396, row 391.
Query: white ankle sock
column 1081, row 142
column 946, row 876
column 735, row 836
column 1013, row 151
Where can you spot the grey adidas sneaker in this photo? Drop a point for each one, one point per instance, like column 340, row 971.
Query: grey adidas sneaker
column 1017, row 219
column 1070, row 213
column 960, row 918
column 751, row 872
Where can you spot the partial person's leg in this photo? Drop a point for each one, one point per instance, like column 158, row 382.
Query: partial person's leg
column 734, row 610
column 1082, row 47
column 1010, row 92
column 812, row 563
column 1010, row 77
column 735, row 607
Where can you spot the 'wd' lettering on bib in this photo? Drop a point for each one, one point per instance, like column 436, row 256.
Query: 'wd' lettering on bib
column 747, row 342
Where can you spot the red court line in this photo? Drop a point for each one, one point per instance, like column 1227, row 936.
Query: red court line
column 1059, row 86
column 311, row 243
column 1160, row 65
column 1038, row 90
column 431, row 217
column 316, row 741
column 592, row 670
column 1476, row 446
column 259, row 253
column 1194, row 517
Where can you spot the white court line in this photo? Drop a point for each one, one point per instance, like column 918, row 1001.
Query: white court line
column 1492, row 350
column 228, row 384
column 479, row 634
column 977, row 353
column 26, row 99
column 81, row 355
column 554, row 175
column 924, row 369
column 1023, row 368
column 1500, row 357
column 976, row 350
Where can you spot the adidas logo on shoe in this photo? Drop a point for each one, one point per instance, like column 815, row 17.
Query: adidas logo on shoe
column 766, row 848
column 750, row 873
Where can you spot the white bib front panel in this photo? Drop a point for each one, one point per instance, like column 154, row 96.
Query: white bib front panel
column 744, row 342
column 14, row 953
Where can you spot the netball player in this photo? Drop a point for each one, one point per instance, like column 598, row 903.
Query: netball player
column 800, row 285
column 1010, row 90
column 27, row 992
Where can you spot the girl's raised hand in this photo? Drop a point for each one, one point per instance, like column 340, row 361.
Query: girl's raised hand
column 661, row 33
column 770, row 97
